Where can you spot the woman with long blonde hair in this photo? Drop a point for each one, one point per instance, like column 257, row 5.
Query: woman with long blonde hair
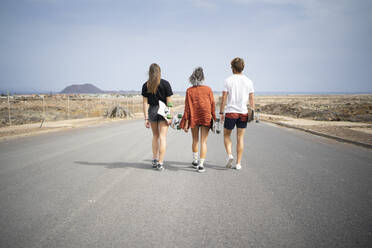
column 156, row 89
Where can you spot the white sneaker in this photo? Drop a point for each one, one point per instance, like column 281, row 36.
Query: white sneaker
column 201, row 168
column 237, row 167
column 229, row 162
column 195, row 164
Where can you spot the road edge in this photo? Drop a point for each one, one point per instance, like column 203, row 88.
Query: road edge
column 321, row 134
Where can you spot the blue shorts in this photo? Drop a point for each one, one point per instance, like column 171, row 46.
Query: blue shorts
column 230, row 123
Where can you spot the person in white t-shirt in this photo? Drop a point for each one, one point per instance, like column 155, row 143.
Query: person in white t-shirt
column 237, row 92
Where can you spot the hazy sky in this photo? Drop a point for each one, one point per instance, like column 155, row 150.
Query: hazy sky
column 288, row 45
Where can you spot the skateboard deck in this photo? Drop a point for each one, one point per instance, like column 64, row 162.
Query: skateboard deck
column 176, row 120
column 216, row 126
column 164, row 110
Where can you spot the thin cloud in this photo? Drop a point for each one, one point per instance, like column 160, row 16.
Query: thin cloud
column 204, row 4
column 313, row 8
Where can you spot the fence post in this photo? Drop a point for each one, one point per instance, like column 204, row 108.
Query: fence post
column 43, row 108
column 132, row 104
column 126, row 101
column 10, row 119
column 68, row 107
column 86, row 103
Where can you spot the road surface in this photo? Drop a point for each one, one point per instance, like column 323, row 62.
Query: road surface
column 94, row 187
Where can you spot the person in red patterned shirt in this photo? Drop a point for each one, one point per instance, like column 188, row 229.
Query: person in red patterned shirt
column 199, row 112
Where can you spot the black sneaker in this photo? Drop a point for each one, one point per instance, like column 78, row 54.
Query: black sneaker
column 160, row 167
column 195, row 164
column 154, row 163
column 201, row 168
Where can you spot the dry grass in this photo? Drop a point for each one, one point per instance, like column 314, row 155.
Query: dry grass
column 25, row 110
column 356, row 108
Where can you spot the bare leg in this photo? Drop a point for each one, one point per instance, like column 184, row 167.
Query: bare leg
column 155, row 140
column 203, row 141
column 195, row 139
column 239, row 144
column 163, row 128
column 227, row 140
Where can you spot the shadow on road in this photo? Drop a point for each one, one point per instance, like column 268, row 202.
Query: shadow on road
column 146, row 166
column 169, row 165
column 188, row 165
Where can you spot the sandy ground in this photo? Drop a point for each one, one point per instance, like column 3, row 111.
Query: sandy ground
column 356, row 132
column 11, row 132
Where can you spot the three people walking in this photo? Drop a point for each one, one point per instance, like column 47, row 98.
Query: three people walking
column 199, row 113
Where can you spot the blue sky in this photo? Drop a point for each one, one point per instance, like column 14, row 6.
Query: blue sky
column 288, row 45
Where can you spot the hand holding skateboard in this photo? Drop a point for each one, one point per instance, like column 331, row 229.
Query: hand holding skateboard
column 147, row 123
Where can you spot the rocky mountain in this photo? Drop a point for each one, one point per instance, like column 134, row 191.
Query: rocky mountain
column 82, row 89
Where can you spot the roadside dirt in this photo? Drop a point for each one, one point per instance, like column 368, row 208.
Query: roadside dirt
column 354, row 132
column 11, row 132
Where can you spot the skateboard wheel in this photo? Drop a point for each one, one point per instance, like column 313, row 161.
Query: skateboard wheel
column 169, row 116
column 179, row 115
column 170, row 104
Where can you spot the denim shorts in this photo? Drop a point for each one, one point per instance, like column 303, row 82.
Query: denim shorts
column 153, row 114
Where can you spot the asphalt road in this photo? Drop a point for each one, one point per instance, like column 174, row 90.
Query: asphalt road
column 94, row 187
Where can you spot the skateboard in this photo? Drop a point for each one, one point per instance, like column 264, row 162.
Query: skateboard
column 258, row 116
column 164, row 110
column 216, row 126
column 176, row 120
column 250, row 115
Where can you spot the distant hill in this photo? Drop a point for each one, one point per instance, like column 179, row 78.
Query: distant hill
column 82, row 89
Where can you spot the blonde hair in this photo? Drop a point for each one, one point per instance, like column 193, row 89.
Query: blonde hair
column 237, row 64
column 154, row 78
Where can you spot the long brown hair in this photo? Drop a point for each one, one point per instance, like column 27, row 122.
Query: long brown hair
column 154, row 78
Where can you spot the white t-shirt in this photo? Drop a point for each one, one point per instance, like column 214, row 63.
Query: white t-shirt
column 238, row 87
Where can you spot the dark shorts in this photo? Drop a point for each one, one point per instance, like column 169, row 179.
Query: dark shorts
column 230, row 123
column 153, row 114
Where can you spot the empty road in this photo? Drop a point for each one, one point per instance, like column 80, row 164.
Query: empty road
column 94, row 187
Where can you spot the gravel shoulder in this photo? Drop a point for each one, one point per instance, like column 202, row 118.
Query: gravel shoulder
column 12, row 132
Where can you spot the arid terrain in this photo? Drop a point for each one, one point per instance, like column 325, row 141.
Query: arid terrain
column 345, row 117
column 33, row 109
column 354, row 108
column 348, row 117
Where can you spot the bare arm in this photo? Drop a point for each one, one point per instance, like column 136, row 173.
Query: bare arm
column 186, row 114
column 251, row 100
column 223, row 104
column 223, row 101
column 145, row 111
column 213, row 107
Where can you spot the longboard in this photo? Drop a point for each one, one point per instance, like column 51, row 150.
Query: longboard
column 164, row 110
column 216, row 126
column 176, row 120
